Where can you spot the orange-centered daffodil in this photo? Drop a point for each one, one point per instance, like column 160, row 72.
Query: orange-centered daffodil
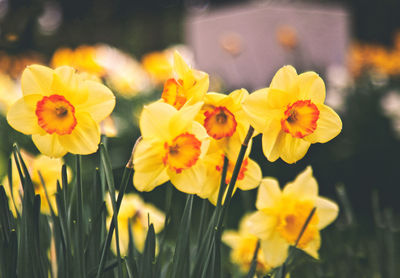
column 292, row 115
column 172, row 148
column 188, row 85
column 61, row 110
column 282, row 214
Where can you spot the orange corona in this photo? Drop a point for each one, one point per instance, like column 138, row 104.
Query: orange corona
column 300, row 118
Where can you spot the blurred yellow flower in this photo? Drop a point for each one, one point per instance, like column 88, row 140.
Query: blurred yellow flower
column 9, row 93
column 291, row 115
column 243, row 245
column 49, row 168
column 172, row 148
column 282, row 214
column 137, row 214
column 249, row 177
column 189, row 85
column 61, row 110
column 158, row 65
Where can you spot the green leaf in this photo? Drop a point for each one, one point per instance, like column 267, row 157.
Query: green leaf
column 149, row 253
column 180, row 264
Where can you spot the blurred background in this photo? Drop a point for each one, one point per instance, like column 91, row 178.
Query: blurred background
column 354, row 45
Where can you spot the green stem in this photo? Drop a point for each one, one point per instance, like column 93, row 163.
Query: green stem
column 235, row 174
column 79, row 202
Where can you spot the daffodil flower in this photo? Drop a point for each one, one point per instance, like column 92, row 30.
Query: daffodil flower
column 243, row 244
column 61, row 110
column 172, row 148
column 50, row 170
column 291, row 115
column 282, row 214
column 225, row 120
column 188, row 86
column 136, row 213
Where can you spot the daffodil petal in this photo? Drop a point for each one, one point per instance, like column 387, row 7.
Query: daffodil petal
column 311, row 87
column 49, row 145
column 21, row 115
column 284, row 79
column 180, row 66
column 149, row 168
column 67, row 83
column 275, row 250
column 327, row 212
column 313, row 247
column 231, row 238
column 85, row 137
column 37, row 79
column 329, row 125
column 254, row 106
column 305, row 185
column 252, row 176
column 197, row 92
column 183, row 119
column 272, row 140
column 261, row 224
column 279, row 99
column 189, row 180
column 154, row 120
column 268, row 193
column 100, row 102
column 294, row 149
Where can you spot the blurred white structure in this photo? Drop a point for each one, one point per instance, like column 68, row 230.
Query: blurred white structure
column 246, row 44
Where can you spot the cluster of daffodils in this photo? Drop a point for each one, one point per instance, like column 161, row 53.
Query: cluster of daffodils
column 189, row 137
column 189, row 133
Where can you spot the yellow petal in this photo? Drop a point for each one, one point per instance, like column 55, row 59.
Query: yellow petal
column 261, row 224
column 304, row 186
column 37, row 79
column 100, row 102
column 85, row 137
column 313, row 247
column 327, row 211
column 254, row 106
column 67, row 83
column 196, row 93
column 154, row 120
column 189, row 180
column 294, row 149
column 49, row 145
column 238, row 96
column 329, row 125
column 252, row 176
column 311, row 87
column 272, row 140
column 275, row 250
column 279, row 99
column 183, row 119
column 180, row 66
column 231, row 238
column 285, row 79
column 148, row 164
column 268, row 193
column 21, row 115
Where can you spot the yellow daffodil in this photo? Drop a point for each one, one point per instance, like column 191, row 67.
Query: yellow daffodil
column 50, row 170
column 61, row 110
column 136, row 213
column 189, row 85
column 224, row 119
column 172, row 148
column 282, row 213
column 249, row 177
column 243, row 244
column 291, row 114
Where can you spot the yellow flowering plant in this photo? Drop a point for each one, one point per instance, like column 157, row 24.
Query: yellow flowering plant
column 197, row 141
